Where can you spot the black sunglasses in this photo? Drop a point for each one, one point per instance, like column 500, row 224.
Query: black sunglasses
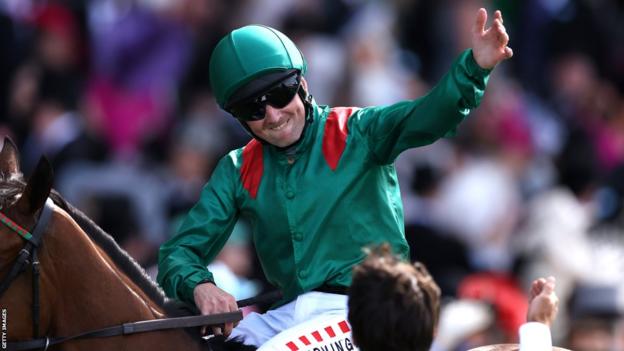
column 278, row 96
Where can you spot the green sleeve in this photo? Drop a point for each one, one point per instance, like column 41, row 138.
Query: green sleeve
column 183, row 259
column 392, row 129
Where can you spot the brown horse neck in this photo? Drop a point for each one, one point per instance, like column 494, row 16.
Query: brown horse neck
column 86, row 290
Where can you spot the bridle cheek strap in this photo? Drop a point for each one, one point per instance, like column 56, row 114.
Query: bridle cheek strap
column 28, row 255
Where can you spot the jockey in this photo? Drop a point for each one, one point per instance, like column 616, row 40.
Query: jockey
column 316, row 183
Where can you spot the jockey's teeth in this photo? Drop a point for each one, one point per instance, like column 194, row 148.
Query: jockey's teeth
column 279, row 127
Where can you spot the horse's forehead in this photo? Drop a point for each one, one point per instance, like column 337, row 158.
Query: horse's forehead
column 9, row 193
column 15, row 224
column 12, row 232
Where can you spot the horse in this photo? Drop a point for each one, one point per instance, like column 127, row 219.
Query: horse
column 81, row 279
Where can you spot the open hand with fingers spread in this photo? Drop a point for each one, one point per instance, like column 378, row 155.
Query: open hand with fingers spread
column 489, row 46
column 543, row 302
column 210, row 300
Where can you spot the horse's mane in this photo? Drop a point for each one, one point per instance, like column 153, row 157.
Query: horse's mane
column 11, row 185
column 106, row 242
column 125, row 262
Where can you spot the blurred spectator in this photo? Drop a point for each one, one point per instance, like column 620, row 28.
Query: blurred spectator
column 485, row 193
column 445, row 256
column 378, row 76
column 138, row 59
column 507, row 299
column 7, row 61
column 464, row 324
column 607, row 237
column 198, row 141
column 554, row 238
column 61, row 135
column 492, row 154
column 596, row 312
column 53, row 70
column 97, row 187
column 232, row 267
column 327, row 62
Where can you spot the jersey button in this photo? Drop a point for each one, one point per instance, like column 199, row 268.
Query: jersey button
column 290, row 194
column 302, row 274
column 298, row 236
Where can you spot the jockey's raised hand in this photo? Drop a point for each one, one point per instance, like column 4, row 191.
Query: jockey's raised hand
column 489, row 46
column 210, row 299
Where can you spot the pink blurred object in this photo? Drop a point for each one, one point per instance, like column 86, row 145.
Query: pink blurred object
column 125, row 117
column 514, row 134
column 609, row 143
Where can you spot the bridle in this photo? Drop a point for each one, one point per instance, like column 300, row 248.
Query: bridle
column 28, row 256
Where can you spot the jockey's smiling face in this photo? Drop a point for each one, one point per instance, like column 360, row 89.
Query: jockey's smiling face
column 282, row 127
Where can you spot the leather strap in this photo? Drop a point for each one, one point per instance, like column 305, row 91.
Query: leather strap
column 132, row 328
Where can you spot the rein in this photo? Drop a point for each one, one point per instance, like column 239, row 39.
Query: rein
column 150, row 325
column 28, row 255
column 131, row 328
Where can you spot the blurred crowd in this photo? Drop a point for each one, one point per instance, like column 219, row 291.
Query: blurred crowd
column 116, row 94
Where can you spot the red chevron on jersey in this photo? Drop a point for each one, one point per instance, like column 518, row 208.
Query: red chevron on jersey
column 253, row 166
column 335, row 136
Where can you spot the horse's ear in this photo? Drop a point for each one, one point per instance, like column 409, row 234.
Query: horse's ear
column 37, row 188
column 9, row 158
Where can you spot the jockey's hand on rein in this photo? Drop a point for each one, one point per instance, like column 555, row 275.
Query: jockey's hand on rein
column 210, row 299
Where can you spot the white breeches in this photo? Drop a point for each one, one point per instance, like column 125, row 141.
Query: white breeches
column 256, row 329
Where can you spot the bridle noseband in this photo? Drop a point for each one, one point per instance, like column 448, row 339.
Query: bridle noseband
column 28, row 255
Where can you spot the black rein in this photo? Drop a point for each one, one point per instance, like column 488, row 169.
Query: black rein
column 150, row 325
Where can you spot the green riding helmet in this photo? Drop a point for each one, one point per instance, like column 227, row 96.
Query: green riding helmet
column 247, row 53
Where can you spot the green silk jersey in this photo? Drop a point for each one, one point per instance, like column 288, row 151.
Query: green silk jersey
column 315, row 208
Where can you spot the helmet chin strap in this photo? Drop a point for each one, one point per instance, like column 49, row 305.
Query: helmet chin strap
column 309, row 111
column 307, row 103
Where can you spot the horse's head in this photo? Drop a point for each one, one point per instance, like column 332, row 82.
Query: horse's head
column 21, row 231
column 80, row 286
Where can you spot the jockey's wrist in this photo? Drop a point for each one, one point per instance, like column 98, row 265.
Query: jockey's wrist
column 187, row 288
column 206, row 280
